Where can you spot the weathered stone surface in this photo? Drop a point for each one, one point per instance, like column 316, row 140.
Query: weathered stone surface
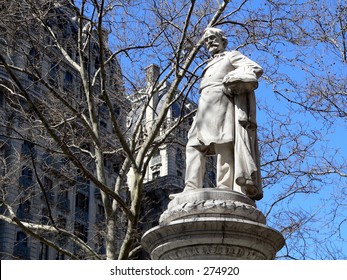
column 219, row 223
column 211, row 203
column 225, row 122
column 212, row 238
column 212, row 224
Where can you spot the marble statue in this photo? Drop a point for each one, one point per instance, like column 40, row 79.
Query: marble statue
column 225, row 122
column 221, row 223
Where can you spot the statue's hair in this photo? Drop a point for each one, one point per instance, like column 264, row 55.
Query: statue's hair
column 219, row 32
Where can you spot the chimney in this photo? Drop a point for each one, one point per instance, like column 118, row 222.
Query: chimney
column 104, row 34
column 152, row 74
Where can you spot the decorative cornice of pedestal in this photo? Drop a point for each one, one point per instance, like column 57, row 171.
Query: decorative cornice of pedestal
column 212, row 224
column 211, row 203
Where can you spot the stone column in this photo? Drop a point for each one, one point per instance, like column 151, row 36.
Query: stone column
column 212, row 224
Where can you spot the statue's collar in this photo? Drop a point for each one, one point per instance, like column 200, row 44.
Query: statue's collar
column 215, row 58
column 218, row 55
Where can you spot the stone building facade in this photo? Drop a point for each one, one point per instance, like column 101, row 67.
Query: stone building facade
column 41, row 184
column 44, row 186
column 166, row 171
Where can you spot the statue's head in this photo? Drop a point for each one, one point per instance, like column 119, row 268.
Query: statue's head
column 215, row 40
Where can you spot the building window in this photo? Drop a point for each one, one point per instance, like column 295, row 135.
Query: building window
column 116, row 168
column 179, row 173
column 103, row 124
column 60, row 256
column 62, row 240
column 47, row 183
column 26, row 179
column 33, row 62
column 81, row 230
column 82, row 202
column 66, row 30
column 44, row 216
column 28, row 149
column 111, row 81
column 2, row 160
column 101, row 210
column 22, row 238
column 68, row 81
column 100, row 244
column 47, row 189
column 156, row 174
column 68, row 77
column 175, row 110
column 2, row 98
column 53, row 74
column 63, row 201
column 47, row 160
column 156, row 159
column 34, row 57
column 86, row 63
column 23, row 211
column 61, row 221
column 179, row 158
column 96, row 63
column 106, row 162
column 43, row 255
column 21, row 248
column 211, row 178
column 82, row 207
column 82, row 184
column 100, row 215
column 116, row 110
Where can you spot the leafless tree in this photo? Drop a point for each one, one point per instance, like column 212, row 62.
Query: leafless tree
column 101, row 48
column 63, row 113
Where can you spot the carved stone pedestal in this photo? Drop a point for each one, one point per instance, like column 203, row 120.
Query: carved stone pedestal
column 212, row 224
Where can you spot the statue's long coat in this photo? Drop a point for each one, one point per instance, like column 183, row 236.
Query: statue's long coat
column 222, row 118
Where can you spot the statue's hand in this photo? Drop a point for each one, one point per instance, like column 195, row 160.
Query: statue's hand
column 240, row 80
column 234, row 88
column 239, row 87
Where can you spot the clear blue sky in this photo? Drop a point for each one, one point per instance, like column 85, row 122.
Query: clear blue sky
column 324, row 223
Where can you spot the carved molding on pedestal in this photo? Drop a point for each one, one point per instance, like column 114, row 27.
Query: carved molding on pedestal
column 213, row 252
column 207, row 208
column 212, row 224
